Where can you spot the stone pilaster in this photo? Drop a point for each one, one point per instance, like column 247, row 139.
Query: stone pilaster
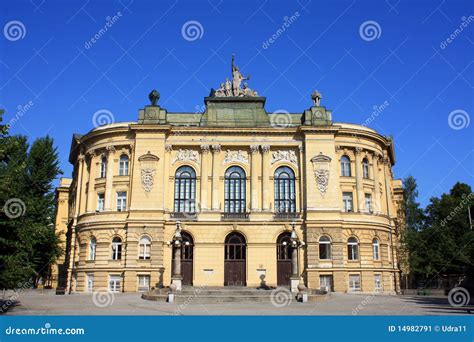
column 205, row 149
column 79, row 186
column 109, row 177
column 91, row 198
column 359, row 180
column 375, row 167
column 254, row 149
column 167, row 198
column 216, row 150
column 265, row 177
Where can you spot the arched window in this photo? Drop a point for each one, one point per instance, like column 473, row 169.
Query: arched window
column 324, row 248
column 234, row 193
column 235, row 247
column 144, row 248
column 285, row 196
column 185, row 190
column 283, row 247
column 92, row 248
column 103, row 167
column 365, row 168
column 116, row 248
column 352, row 248
column 123, row 165
column 376, row 249
column 345, row 166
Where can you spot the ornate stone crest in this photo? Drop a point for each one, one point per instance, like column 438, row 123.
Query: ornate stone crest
column 234, row 87
column 147, row 170
column 187, row 156
column 288, row 156
column 321, row 172
column 236, row 156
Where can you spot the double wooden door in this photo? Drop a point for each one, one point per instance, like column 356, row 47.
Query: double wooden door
column 235, row 271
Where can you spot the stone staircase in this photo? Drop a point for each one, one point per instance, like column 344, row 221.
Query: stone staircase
column 228, row 294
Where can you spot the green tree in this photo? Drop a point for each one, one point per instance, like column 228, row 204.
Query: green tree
column 413, row 213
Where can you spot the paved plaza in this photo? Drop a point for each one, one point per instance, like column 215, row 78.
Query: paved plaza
column 39, row 302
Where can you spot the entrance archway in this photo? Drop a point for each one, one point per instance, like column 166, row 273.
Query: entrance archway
column 235, row 253
column 283, row 252
column 187, row 249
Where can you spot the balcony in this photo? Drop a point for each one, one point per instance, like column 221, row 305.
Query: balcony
column 281, row 216
column 184, row 216
column 235, row 216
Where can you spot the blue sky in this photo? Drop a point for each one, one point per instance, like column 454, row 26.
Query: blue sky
column 358, row 54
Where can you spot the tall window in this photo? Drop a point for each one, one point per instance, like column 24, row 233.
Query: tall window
column 144, row 248
column 376, row 249
column 185, row 190
column 121, row 201
column 114, row 283
column 352, row 249
column 324, row 248
column 234, row 194
column 285, row 196
column 116, row 248
column 368, row 203
column 143, row 283
column 90, row 282
column 345, row 166
column 123, row 165
column 92, row 248
column 378, row 281
column 365, row 168
column 354, row 282
column 100, row 201
column 103, row 167
column 347, row 201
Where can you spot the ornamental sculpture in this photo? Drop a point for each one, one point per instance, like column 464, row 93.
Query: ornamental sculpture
column 288, row 156
column 235, row 87
column 321, row 172
column 236, row 156
column 147, row 170
column 187, row 156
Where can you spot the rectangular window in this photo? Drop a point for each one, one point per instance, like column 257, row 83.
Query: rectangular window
column 143, row 283
column 325, row 283
column 114, row 283
column 100, row 202
column 121, row 201
column 354, row 282
column 368, row 203
column 347, row 201
column 378, row 281
column 90, row 282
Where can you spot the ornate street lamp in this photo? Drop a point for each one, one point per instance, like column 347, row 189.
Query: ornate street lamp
column 295, row 244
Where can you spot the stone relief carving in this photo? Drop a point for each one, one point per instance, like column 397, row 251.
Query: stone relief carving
column 236, row 156
column 321, row 172
column 288, row 156
column 147, row 170
column 187, row 156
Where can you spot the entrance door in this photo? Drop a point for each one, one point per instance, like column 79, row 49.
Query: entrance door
column 234, row 260
column 283, row 259
column 186, row 259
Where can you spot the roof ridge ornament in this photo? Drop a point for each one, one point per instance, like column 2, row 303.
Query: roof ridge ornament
column 234, row 88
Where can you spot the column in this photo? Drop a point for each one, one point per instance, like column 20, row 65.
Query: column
column 360, row 185
column 109, row 177
column 204, row 175
column 375, row 167
column 80, row 172
column 302, row 166
column 265, row 177
column 216, row 149
column 91, row 198
column 254, row 149
column 167, row 196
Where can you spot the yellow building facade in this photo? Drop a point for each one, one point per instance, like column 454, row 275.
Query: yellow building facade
column 237, row 180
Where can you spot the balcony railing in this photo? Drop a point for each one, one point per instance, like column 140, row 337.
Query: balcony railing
column 184, row 216
column 235, row 216
column 286, row 216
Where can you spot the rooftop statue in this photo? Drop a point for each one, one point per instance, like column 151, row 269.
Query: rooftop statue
column 234, row 87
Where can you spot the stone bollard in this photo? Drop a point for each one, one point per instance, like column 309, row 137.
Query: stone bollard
column 171, row 294
column 302, row 295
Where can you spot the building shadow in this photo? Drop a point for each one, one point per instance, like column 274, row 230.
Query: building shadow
column 440, row 305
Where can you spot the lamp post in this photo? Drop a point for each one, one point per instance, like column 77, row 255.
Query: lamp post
column 295, row 243
column 176, row 277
